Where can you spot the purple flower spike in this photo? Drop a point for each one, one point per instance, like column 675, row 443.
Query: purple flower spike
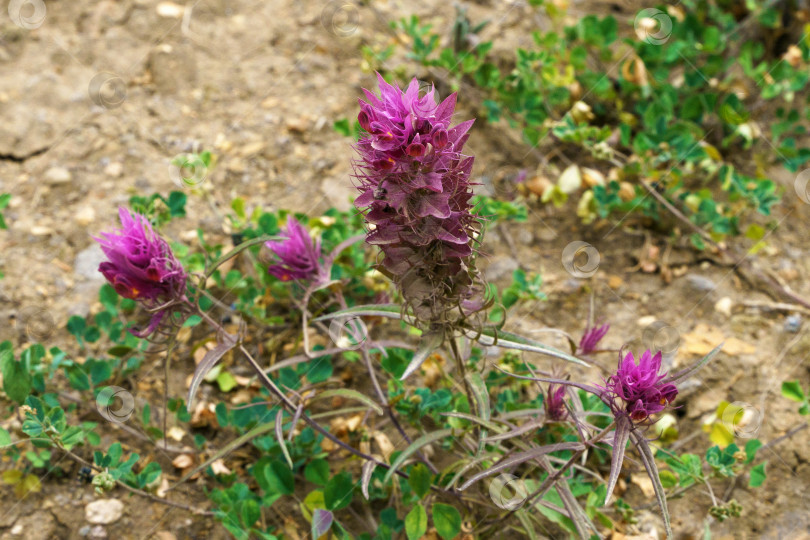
column 141, row 266
column 592, row 337
column 555, row 403
column 414, row 185
column 637, row 390
column 299, row 256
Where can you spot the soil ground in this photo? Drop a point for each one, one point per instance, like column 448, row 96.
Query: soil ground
column 97, row 100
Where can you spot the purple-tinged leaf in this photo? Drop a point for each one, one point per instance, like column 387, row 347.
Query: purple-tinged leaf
column 648, row 460
column 365, row 478
column 517, row 459
column 528, row 426
column 622, row 433
column 226, row 343
column 321, row 522
column 587, row 387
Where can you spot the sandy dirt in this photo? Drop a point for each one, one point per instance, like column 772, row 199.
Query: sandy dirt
column 97, row 99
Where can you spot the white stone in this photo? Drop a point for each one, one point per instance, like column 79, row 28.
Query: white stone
column 58, row 175
column 104, row 511
column 724, row 306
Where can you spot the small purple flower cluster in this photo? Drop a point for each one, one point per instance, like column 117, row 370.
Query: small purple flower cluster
column 639, row 387
column 414, row 185
column 299, row 256
column 555, row 403
column 141, row 266
column 592, row 337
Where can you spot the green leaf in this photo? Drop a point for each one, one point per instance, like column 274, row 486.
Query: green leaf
column 751, row 448
column 338, row 491
column 226, row 381
column 416, row 523
column 317, row 472
column 757, row 475
column 419, row 479
column 392, row 311
column 16, row 379
column 668, row 479
column 108, row 297
column 76, row 325
column 275, row 477
column 447, row 520
column 5, row 438
column 793, row 390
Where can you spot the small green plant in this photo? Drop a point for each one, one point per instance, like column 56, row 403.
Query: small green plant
column 684, row 100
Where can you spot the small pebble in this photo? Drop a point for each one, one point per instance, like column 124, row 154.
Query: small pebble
column 85, row 216
column 724, row 306
column 58, row 175
column 646, row 321
column 114, row 169
column 793, row 323
column 701, row 283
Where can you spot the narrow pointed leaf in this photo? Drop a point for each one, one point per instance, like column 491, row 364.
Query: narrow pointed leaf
column 393, row 311
column 429, row 343
column 519, row 458
column 227, row 342
column 480, row 394
column 507, row 340
column 257, row 431
column 349, row 394
column 523, row 517
column 620, row 437
column 474, row 419
column 675, row 378
column 648, row 460
column 365, row 479
column 280, row 437
column 587, row 387
column 413, row 447
column 528, row 426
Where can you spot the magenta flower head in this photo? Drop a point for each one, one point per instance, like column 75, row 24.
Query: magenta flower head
column 415, row 191
column 637, row 390
column 592, row 337
column 298, row 255
column 555, row 403
column 141, row 266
